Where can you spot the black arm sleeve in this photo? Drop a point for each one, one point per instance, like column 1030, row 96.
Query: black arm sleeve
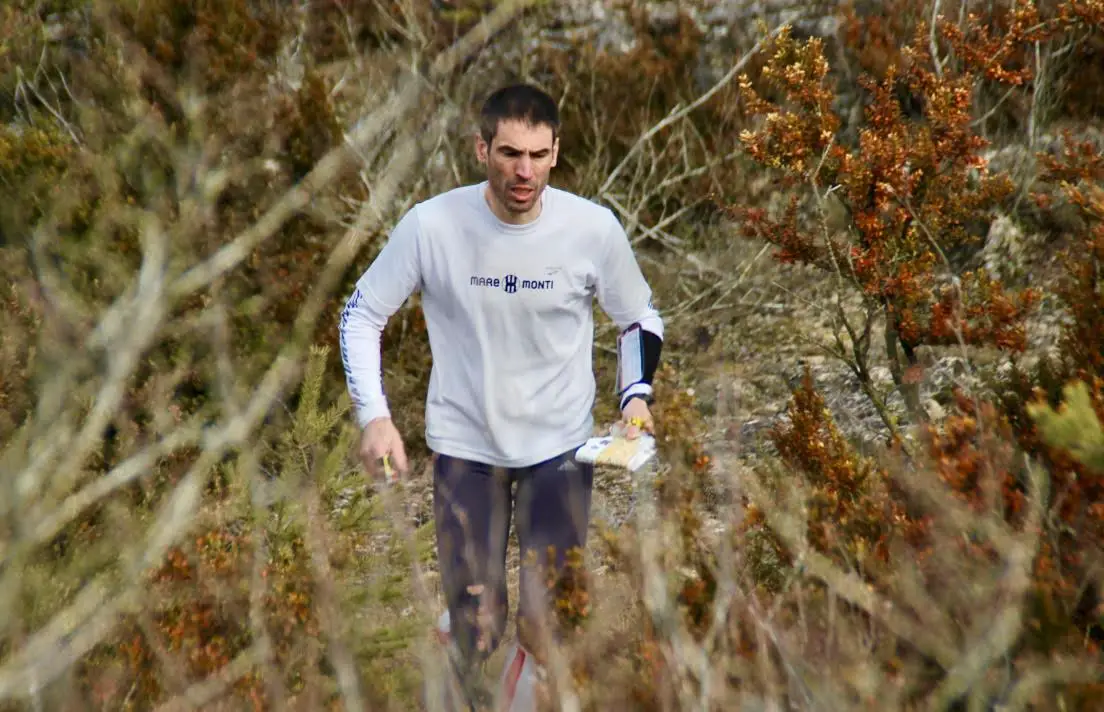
column 638, row 355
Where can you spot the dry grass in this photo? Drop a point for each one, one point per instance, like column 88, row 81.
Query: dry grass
column 195, row 186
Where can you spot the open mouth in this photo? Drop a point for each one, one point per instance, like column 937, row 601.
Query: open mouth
column 521, row 192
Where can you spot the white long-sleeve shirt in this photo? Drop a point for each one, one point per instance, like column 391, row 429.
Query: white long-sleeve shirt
column 509, row 313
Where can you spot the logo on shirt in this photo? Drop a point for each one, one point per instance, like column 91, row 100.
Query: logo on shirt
column 511, row 283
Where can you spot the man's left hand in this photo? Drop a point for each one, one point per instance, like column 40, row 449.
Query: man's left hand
column 636, row 418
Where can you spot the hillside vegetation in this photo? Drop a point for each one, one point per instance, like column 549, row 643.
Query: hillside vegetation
column 875, row 231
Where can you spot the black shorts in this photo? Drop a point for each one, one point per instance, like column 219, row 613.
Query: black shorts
column 474, row 504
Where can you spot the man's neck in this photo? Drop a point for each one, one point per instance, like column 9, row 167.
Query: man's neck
column 508, row 217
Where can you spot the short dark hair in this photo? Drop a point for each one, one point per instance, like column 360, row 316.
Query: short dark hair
column 518, row 102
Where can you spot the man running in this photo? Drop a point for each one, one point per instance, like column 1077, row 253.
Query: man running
column 508, row 270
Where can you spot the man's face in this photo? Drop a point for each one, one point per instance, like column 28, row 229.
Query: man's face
column 518, row 159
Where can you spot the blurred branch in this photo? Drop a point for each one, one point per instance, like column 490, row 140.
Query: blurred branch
column 338, row 160
column 142, row 303
column 210, row 689
column 848, row 586
column 998, row 635
column 958, row 516
column 271, row 676
column 933, row 31
column 317, row 541
column 1056, row 672
column 77, row 628
column 45, row 526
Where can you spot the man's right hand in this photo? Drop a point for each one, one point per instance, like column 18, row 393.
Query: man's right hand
column 380, row 439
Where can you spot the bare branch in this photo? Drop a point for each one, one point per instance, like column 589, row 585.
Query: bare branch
column 932, row 44
column 1056, row 672
column 142, row 304
column 681, row 112
column 77, row 628
column 46, row 526
column 317, row 545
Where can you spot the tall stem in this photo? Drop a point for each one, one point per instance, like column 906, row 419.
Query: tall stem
column 910, row 390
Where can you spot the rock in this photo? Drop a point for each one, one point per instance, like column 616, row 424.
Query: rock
column 934, row 410
column 1006, row 249
column 947, row 373
column 724, row 24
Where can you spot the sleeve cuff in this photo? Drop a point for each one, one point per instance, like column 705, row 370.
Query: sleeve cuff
column 636, row 389
column 368, row 413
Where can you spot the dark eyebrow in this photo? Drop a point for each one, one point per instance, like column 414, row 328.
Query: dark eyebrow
column 511, row 149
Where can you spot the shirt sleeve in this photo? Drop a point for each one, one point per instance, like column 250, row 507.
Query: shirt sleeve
column 621, row 290
column 391, row 278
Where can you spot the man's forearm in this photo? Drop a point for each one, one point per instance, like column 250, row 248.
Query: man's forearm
column 639, row 347
column 360, row 336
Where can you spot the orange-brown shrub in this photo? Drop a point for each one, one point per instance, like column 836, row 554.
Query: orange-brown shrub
column 860, row 516
column 875, row 35
column 216, row 43
column 915, row 189
column 912, row 191
column 976, row 456
column 1071, row 603
column 199, row 619
column 853, row 508
column 678, row 491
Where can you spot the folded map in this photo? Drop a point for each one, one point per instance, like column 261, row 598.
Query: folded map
column 618, row 451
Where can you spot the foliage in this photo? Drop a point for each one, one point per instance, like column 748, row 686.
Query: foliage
column 218, row 43
column 1075, row 427
column 911, row 190
column 240, row 586
column 979, row 461
column 852, row 515
column 206, row 530
column 175, row 118
column 32, row 160
column 901, row 530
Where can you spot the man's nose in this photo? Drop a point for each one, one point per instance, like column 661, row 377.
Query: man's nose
column 524, row 167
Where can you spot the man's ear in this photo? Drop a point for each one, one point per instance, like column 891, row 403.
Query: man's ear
column 555, row 151
column 481, row 148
